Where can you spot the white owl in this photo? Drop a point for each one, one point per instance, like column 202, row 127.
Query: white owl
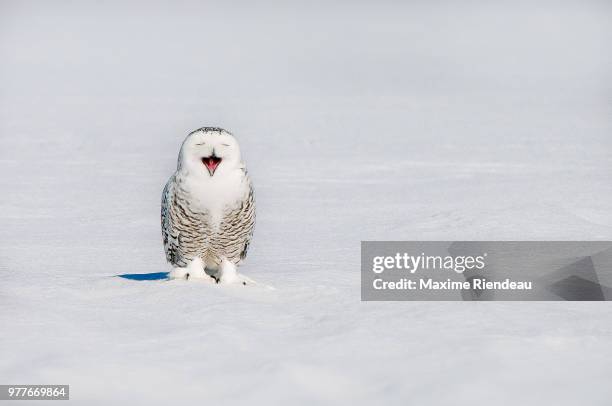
column 208, row 208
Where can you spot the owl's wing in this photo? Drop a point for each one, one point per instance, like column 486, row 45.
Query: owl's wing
column 170, row 234
column 249, row 222
column 237, row 227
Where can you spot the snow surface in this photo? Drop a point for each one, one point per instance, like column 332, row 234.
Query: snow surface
column 357, row 122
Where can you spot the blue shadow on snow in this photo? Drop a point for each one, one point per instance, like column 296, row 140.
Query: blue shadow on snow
column 145, row 276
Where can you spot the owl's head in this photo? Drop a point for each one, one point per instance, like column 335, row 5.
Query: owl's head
column 208, row 151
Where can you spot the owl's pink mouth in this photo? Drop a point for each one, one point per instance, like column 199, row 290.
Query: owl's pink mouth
column 211, row 163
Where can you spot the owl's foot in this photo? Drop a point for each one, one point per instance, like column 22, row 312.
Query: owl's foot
column 227, row 273
column 193, row 270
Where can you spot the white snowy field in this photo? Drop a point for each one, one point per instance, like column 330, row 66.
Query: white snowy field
column 358, row 121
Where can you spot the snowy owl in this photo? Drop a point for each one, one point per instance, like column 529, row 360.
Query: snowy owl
column 208, row 208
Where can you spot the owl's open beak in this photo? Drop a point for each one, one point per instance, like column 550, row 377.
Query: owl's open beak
column 211, row 163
